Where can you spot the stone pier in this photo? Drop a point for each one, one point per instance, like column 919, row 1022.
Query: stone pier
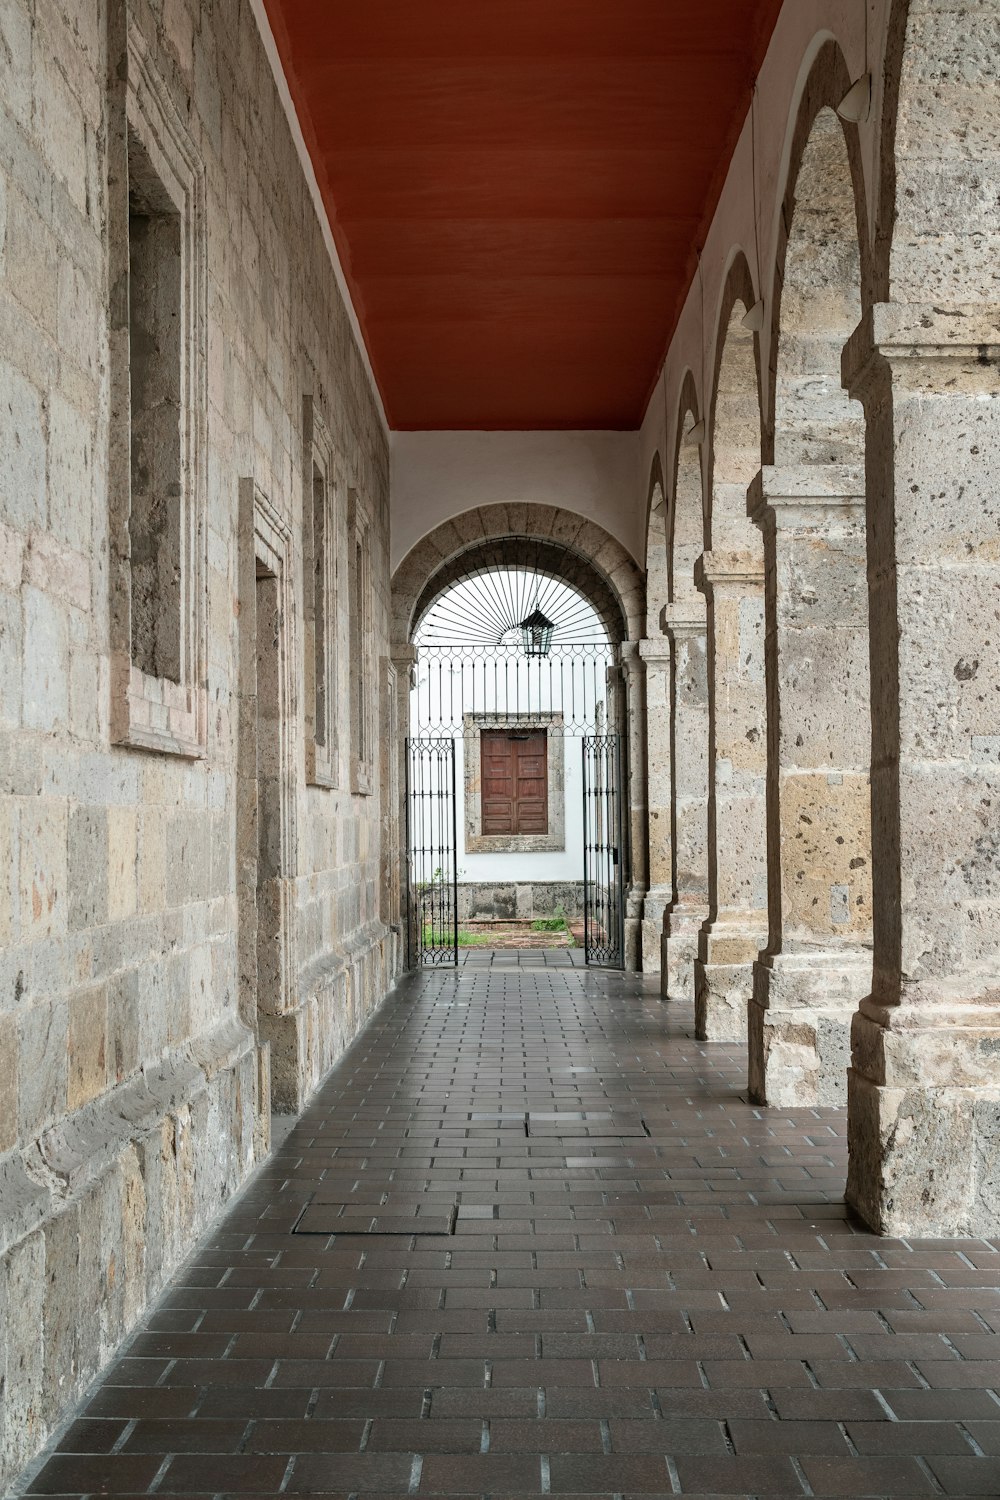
column 735, row 932
column 817, row 964
column 685, row 628
column 924, row 1087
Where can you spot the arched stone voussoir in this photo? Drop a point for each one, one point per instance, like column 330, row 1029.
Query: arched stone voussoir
column 574, row 548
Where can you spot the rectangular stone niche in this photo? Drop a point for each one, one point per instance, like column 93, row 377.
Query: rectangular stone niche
column 157, row 253
column 361, row 604
column 322, row 542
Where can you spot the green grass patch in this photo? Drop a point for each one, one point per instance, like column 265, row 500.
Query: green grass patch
column 549, row 924
column 439, row 939
column 473, row 939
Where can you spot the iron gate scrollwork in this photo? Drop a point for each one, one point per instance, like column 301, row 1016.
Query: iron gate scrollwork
column 432, row 841
column 603, row 852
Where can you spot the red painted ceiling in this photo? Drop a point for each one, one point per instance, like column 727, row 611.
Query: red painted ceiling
column 517, row 188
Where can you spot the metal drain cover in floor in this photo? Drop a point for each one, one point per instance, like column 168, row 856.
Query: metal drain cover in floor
column 375, row 1218
column 585, row 1123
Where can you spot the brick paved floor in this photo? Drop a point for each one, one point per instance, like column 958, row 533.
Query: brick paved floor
column 617, row 1313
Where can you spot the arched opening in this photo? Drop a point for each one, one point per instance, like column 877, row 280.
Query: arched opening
column 517, row 759
column 655, row 655
column 657, row 576
column 817, row 306
column 731, row 574
column 811, row 509
column 689, row 714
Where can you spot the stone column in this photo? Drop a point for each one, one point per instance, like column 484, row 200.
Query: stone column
column 689, row 737
column 633, row 678
column 655, row 654
column 736, row 930
column 817, row 964
column 924, row 1089
column 403, row 659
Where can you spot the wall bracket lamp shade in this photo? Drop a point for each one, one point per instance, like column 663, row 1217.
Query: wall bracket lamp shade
column 695, row 435
column 536, row 634
column 753, row 319
column 856, row 104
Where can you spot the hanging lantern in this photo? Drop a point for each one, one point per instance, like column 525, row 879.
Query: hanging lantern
column 536, row 633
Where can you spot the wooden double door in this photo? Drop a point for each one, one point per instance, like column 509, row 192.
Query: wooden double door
column 515, row 781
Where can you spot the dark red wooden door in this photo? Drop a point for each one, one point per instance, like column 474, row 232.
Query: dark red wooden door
column 515, row 787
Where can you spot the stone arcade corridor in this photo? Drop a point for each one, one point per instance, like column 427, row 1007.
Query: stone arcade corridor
column 652, row 1286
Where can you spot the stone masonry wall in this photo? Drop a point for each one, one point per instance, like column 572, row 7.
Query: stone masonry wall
column 520, row 901
column 132, row 1093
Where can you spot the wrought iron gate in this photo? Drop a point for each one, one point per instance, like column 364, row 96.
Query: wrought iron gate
column 603, row 852
column 432, row 841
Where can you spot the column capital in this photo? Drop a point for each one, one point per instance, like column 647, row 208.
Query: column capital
column 678, row 621
column 403, row 656
column 807, row 497
column 656, row 650
column 714, row 568
column 894, row 335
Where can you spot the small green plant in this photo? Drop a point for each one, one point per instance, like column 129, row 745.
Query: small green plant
column 440, row 937
column 550, row 924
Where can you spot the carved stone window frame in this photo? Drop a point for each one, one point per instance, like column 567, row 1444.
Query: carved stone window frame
column 364, row 688
column 322, row 739
column 156, row 713
column 477, row 842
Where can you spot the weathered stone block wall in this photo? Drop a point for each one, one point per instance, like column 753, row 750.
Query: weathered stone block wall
column 520, row 901
column 130, row 1083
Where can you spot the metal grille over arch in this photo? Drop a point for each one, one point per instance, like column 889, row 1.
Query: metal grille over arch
column 607, row 574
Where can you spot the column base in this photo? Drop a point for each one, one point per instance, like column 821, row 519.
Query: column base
column 723, row 977
column 800, row 1026
column 923, row 1123
column 653, row 908
column 633, row 945
column 678, row 951
column 635, row 896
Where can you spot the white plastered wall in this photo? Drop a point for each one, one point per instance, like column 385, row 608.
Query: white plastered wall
column 437, row 475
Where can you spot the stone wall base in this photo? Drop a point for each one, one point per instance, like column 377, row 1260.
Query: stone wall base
column 98, row 1214
column 924, row 1146
column 519, row 901
column 800, row 1026
column 336, row 999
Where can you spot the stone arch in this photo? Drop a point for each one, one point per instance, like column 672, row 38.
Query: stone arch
column 577, row 549
column 731, row 575
column 657, row 543
column 810, row 506
column 686, row 520
column 735, row 422
column 821, row 268
column 593, row 561
column 938, row 240
column 689, row 711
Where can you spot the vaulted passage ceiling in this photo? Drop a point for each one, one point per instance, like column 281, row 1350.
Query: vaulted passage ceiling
column 517, row 188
